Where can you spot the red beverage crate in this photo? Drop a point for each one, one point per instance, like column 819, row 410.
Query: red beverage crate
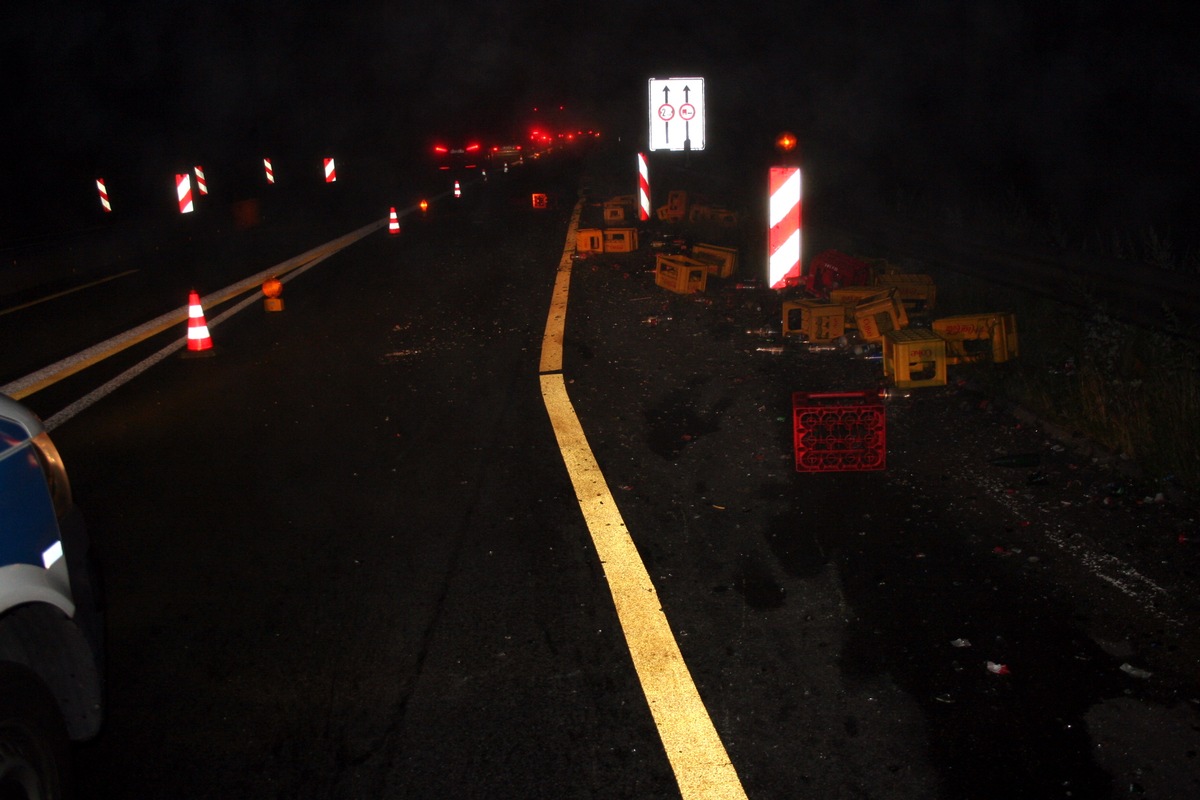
column 839, row 431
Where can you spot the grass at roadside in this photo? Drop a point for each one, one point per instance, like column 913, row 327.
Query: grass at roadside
column 1133, row 392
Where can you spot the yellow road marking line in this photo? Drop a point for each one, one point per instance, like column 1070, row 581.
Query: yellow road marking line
column 701, row 765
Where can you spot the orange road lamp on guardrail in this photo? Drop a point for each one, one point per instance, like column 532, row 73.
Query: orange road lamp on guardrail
column 272, row 288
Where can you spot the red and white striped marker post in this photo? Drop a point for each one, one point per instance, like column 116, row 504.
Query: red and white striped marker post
column 643, row 188
column 457, row 189
column 330, row 171
column 201, row 185
column 183, row 190
column 100, row 187
column 783, row 238
column 269, row 170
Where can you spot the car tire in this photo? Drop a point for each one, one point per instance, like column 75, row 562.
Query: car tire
column 34, row 751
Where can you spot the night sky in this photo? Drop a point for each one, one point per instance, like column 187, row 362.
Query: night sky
column 1087, row 109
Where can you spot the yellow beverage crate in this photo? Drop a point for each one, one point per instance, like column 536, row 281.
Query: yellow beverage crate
column 913, row 358
column 614, row 212
column 850, row 296
column 722, row 261
column 589, row 240
column 620, row 240
column 876, row 316
column 978, row 337
column 817, row 321
column 680, row 274
column 917, row 291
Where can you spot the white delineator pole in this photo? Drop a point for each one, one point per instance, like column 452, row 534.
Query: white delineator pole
column 643, row 188
column 183, row 190
column 103, row 195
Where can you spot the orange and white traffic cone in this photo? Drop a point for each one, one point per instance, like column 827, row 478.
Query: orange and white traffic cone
column 393, row 222
column 199, row 343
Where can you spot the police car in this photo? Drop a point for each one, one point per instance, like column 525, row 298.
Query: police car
column 51, row 628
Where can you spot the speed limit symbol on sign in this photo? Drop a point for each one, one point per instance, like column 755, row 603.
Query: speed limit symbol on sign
column 677, row 113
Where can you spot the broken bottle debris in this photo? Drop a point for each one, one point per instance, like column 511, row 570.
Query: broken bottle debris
column 1017, row 460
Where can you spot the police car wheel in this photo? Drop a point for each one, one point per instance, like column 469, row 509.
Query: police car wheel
column 34, row 754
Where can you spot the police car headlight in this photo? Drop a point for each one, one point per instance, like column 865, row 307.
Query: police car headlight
column 55, row 472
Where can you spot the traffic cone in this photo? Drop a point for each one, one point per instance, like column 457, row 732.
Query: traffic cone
column 457, row 189
column 199, row 343
column 393, row 222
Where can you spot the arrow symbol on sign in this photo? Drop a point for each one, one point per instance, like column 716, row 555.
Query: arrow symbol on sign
column 667, row 123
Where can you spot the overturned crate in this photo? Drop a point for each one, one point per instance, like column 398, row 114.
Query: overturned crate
column 722, row 261
column 914, row 358
column 680, row 274
column 618, row 209
column 606, row 240
column 831, row 269
column 839, row 431
column 916, row 291
column 814, row 320
column 875, row 317
column 978, row 337
column 620, row 240
column 848, row 297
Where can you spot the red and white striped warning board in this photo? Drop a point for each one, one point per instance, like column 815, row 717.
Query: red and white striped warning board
column 269, row 170
column 107, row 206
column 201, row 184
column 183, row 190
column 330, row 171
column 643, row 188
column 783, row 238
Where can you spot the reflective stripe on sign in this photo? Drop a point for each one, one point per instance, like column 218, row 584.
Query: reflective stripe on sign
column 643, row 188
column 783, row 238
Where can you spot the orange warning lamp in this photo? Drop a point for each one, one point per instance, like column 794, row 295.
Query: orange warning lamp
column 271, row 289
column 424, row 206
column 785, row 142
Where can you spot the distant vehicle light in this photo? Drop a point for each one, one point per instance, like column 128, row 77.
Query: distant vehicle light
column 440, row 149
column 472, row 148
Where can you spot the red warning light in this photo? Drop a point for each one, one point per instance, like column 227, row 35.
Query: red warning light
column 785, row 142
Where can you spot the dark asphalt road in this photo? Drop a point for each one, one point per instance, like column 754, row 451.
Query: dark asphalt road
column 344, row 558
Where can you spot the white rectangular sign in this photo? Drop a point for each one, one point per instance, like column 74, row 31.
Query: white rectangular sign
column 677, row 113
